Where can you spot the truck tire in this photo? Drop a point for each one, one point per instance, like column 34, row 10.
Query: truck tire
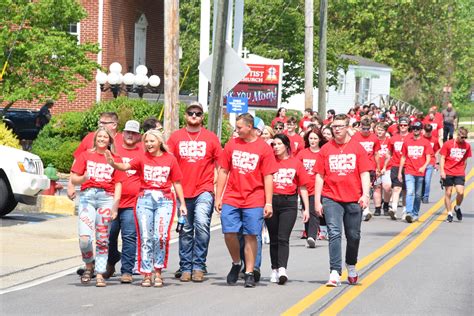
column 7, row 201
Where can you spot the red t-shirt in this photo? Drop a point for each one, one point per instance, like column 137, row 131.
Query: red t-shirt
column 279, row 119
column 371, row 144
column 132, row 183
column 395, row 147
column 101, row 174
column 434, row 145
column 455, row 156
column 88, row 142
column 308, row 158
column 328, row 121
column 415, row 151
column 290, row 176
column 304, row 122
column 383, row 151
column 197, row 154
column 393, row 129
column 247, row 164
column 341, row 166
column 436, row 123
column 157, row 173
column 297, row 144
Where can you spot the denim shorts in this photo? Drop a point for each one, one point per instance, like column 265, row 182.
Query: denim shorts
column 249, row 221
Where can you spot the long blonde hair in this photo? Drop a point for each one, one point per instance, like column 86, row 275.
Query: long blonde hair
column 159, row 136
column 111, row 140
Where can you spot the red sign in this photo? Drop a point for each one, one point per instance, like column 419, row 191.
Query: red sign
column 262, row 74
column 258, row 95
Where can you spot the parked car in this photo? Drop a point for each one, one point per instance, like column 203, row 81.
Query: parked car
column 21, row 178
column 22, row 122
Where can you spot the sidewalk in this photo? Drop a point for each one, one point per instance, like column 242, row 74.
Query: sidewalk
column 37, row 250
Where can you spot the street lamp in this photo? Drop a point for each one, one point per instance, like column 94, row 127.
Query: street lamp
column 139, row 83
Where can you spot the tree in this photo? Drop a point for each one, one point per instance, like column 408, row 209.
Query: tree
column 45, row 61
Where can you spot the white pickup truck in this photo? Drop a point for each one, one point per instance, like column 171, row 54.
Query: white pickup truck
column 21, row 178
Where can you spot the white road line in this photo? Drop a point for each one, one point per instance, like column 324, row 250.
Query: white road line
column 61, row 274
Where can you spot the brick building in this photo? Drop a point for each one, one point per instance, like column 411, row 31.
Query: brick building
column 129, row 32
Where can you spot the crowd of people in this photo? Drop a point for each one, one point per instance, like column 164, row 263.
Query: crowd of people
column 329, row 169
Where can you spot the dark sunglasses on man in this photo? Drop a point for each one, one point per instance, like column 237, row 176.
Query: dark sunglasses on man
column 193, row 113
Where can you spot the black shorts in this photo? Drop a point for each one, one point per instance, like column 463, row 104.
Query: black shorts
column 394, row 178
column 454, row 180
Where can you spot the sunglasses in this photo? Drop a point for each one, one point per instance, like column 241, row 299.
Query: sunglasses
column 192, row 113
column 279, row 128
column 338, row 126
column 366, row 128
column 463, row 137
column 403, row 125
column 105, row 123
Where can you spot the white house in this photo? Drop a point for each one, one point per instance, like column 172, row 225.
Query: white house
column 365, row 82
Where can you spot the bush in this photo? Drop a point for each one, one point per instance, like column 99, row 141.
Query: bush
column 56, row 150
column 7, row 137
column 68, row 125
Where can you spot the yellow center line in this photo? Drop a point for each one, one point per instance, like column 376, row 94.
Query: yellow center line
column 323, row 290
column 344, row 300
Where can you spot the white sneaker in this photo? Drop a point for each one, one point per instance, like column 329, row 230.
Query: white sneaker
column 282, row 276
column 274, row 276
column 352, row 275
column 366, row 215
column 334, row 279
column 311, row 243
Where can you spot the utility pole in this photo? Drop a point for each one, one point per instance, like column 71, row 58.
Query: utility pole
column 323, row 13
column 218, row 51
column 308, row 54
column 171, row 80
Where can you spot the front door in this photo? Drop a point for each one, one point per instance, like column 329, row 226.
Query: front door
column 139, row 53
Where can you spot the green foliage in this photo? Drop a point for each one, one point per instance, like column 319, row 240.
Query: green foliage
column 126, row 109
column 46, row 61
column 65, row 125
column 56, row 150
column 7, row 137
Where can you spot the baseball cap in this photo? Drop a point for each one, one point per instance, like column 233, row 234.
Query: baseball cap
column 258, row 123
column 195, row 105
column 403, row 120
column 417, row 125
column 132, row 126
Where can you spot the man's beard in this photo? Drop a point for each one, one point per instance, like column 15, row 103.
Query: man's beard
column 197, row 124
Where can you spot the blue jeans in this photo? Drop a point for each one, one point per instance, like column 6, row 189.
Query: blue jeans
column 338, row 214
column 195, row 235
column 125, row 222
column 427, row 182
column 414, row 187
column 95, row 207
column 154, row 215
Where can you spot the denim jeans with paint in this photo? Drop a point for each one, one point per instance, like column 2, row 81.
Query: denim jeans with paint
column 427, row 181
column 94, row 218
column 195, row 235
column 338, row 214
column 124, row 224
column 414, row 188
column 155, row 213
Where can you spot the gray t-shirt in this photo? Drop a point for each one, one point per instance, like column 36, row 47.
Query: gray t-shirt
column 449, row 116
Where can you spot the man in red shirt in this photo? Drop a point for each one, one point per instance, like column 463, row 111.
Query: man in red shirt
column 247, row 165
column 416, row 155
column 436, row 121
column 125, row 221
column 306, row 120
column 371, row 144
column 395, row 148
column 109, row 120
column 297, row 142
column 434, row 142
column 197, row 150
column 329, row 117
column 342, row 192
column 452, row 167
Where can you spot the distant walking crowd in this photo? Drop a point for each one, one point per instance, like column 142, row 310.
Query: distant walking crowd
column 329, row 169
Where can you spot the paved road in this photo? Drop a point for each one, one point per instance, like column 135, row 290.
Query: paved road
column 418, row 269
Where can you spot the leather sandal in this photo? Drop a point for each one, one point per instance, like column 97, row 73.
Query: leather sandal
column 86, row 276
column 100, row 281
column 146, row 282
column 158, row 281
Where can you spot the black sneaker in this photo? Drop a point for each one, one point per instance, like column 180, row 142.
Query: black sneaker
column 249, row 280
column 256, row 275
column 457, row 209
column 178, row 273
column 450, row 217
column 233, row 275
column 377, row 212
column 386, row 213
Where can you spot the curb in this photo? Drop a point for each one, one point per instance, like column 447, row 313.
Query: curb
column 56, row 205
